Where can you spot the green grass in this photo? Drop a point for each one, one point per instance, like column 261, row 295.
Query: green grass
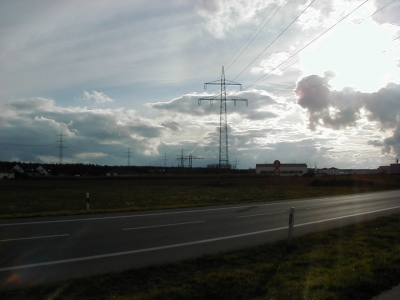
column 353, row 262
column 60, row 196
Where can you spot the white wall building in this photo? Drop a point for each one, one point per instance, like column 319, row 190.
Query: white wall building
column 18, row 169
column 6, row 174
column 42, row 171
column 284, row 169
column 330, row 171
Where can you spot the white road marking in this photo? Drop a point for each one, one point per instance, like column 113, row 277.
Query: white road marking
column 200, row 210
column 35, row 237
column 249, row 216
column 323, row 206
column 176, row 245
column 165, row 225
column 348, row 216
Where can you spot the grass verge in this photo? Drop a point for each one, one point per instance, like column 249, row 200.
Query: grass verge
column 64, row 196
column 353, row 262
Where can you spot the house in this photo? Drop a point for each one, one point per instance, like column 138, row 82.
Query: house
column 283, row 170
column 5, row 174
column 330, row 171
column 18, row 169
column 392, row 169
column 361, row 171
column 42, row 171
column 121, row 172
column 384, row 169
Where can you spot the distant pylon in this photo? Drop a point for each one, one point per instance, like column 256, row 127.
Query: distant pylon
column 189, row 157
column 61, row 146
column 223, row 119
column 182, row 159
column 128, row 152
column 237, row 162
column 165, row 159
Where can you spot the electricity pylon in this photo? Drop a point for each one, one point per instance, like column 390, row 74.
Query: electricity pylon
column 189, row 157
column 128, row 154
column 61, row 146
column 182, row 158
column 165, row 159
column 223, row 124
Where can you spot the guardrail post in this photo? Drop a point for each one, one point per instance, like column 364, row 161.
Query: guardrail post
column 291, row 224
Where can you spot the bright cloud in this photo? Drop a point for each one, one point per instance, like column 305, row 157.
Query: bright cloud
column 222, row 16
column 362, row 55
column 98, row 97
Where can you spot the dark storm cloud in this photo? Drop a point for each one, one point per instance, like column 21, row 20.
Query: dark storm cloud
column 384, row 105
column 341, row 109
column 375, row 143
column 313, row 92
column 31, row 105
column 31, row 128
column 172, row 125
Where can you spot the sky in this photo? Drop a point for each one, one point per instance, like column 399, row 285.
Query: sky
column 117, row 82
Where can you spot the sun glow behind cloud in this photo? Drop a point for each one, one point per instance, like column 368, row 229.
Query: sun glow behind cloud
column 361, row 55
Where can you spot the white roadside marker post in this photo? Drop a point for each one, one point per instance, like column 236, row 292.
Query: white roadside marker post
column 291, row 223
column 87, row 202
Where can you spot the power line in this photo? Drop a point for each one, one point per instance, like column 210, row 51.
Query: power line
column 249, row 37
column 311, row 87
column 339, row 21
column 293, row 86
column 257, row 33
column 260, row 79
column 381, row 8
column 26, row 145
column 280, row 91
column 275, row 39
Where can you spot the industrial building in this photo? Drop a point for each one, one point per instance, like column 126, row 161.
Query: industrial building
column 392, row 169
column 283, row 170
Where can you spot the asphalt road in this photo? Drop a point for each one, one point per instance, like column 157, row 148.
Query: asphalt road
column 39, row 250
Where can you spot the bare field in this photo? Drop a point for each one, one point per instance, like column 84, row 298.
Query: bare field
column 67, row 195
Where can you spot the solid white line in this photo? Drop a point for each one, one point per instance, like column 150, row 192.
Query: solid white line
column 35, row 237
column 152, row 215
column 176, row 245
column 202, row 210
column 137, row 251
column 166, row 225
column 348, row 216
column 249, row 216
column 317, row 207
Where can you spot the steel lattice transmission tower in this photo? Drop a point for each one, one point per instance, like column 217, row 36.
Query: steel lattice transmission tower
column 61, row 145
column 189, row 157
column 223, row 119
column 128, row 154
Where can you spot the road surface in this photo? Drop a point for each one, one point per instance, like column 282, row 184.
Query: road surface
column 39, row 250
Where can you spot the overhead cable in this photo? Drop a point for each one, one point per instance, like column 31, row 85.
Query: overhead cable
column 275, row 39
column 261, row 78
column 299, row 60
column 256, row 34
